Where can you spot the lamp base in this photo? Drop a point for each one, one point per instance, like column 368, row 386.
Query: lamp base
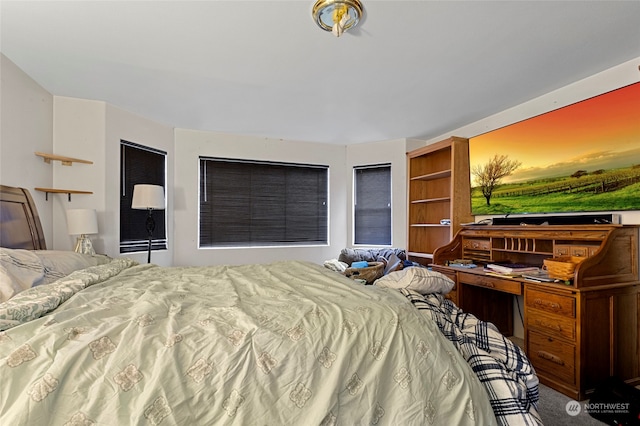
column 84, row 246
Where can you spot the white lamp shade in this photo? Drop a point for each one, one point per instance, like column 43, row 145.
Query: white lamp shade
column 148, row 197
column 82, row 221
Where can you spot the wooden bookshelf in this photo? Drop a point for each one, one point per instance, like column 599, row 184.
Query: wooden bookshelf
column 438, row 189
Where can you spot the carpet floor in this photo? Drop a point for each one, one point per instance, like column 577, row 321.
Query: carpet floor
column 552, row 407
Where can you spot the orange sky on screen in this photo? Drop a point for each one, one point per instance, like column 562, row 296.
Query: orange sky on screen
column 606, row 125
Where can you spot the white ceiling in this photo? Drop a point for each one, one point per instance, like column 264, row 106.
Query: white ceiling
column 410, row 69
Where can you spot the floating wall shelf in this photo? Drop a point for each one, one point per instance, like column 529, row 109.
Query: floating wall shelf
column 48, row 191
column 66, row 161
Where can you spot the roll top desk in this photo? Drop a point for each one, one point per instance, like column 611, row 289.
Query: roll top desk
column 576, row 333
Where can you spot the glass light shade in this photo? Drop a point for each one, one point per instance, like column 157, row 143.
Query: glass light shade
column 82, row 221
column 327, row 13
column 148, row 197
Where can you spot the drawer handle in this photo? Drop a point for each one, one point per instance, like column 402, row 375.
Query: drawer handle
column 547, row 304
column 550, row 357
column 486, row 284
column 541, row 323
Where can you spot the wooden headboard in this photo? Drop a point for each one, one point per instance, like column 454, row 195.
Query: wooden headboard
column 20, row 226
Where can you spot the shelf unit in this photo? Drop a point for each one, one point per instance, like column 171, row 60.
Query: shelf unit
column 65, row 161
column 438, row 189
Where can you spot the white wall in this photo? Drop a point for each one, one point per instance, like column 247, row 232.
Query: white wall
column 78, row 132
column 611, row 79
column 121, row 124
column 191, row 144
column 26, row 123
column 92, row 130
column 393, row 152
column 341, row 159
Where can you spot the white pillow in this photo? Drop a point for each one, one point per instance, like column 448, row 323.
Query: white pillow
column 19, row 270
column 421, row 280
column 60, row 263
column 22, row 269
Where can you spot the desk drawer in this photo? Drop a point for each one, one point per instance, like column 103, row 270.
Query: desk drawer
column 494, row 283
column 552, row 325
column 552, row 356
column 476, row 244
column 577, row 251
column 549, row 302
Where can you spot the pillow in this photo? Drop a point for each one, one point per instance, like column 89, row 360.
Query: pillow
column 59, row 263
column 19, row 270
column 421, row 280
column 22, row 269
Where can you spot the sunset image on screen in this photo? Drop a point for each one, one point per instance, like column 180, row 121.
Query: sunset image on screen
column 583, row 139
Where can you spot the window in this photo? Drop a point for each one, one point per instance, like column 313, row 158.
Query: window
column 247, row 203
column 372, row 204
column 140, row 164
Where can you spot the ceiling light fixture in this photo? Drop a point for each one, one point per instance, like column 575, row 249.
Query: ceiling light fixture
column 337, row 16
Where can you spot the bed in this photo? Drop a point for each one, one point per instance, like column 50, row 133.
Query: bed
column 96, row 340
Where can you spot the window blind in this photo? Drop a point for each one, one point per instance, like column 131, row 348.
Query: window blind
column 140, row 164
column 372, row 204
column 257, row 203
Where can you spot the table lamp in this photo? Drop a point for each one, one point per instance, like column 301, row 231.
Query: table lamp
column 82, row 222
column 148, row 197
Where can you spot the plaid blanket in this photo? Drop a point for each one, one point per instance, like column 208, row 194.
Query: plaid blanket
column 501, row 366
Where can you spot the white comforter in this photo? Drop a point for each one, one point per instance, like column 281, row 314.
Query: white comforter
column 288, row 343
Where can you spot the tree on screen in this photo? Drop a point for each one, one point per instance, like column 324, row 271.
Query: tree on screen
column 489, row 175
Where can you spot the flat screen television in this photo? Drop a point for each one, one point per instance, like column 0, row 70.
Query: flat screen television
column 584, row 157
